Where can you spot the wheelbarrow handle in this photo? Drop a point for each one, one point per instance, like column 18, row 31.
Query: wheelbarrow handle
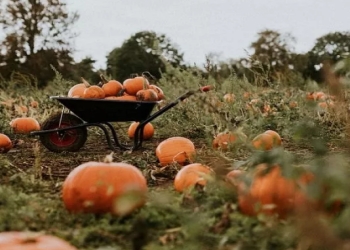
column 192, row 92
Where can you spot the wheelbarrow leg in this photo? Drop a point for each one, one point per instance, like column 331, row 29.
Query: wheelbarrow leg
column 109, row 142
column 138, row 136
column 115, row 137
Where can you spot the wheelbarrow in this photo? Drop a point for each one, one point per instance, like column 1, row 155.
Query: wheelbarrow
column 67, row 130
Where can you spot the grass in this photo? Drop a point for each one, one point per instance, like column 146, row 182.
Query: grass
column 31, row 177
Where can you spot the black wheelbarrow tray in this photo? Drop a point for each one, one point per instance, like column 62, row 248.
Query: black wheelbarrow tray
column 67, row 130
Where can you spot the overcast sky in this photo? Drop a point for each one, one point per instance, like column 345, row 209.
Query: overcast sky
column 199, row 27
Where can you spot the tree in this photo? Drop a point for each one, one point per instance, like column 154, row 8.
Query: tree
column 34, row 27
column 272, row 52
column 85, row 68
column 331, row 47
column 144, row 51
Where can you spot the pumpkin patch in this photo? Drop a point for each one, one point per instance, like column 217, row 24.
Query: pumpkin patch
column 196, row 182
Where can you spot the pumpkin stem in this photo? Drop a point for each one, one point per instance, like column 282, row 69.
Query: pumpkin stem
column 149, row 76
column 145, row 83
column 31, row 237
column 133, row 75
column 87, row 84
column 103, row 78
column 121, row 92
column 109, row 158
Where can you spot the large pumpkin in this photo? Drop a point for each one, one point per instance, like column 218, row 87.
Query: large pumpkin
column 269, row 193
column 191, row 175
column 148, row 130
column 5, row 143
column 104, row 187
column 175, row 149
column 32, row 241
column 24, row 125
column 133, row 85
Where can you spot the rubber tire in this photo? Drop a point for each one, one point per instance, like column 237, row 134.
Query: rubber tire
column 70, row 120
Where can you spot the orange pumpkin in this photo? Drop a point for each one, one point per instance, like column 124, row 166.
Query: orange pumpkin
column 191, row 175
column 24, row 125
column 147, row 95
column 126, row 98
column 111, row 87
column 230, row 98
column 158, row 90
column 32, row 241
column 269, row 194
column 302, row 200
column 94, row 92
column 175, row 149
column 133, row 85
column 111, row 98
column 263, row 141
column 34, row 104
column 104, row 187
column 78, row 89
column 5, row 143
column 293, row 104
column 224, row 140
column 277, row 140
column 148, row 130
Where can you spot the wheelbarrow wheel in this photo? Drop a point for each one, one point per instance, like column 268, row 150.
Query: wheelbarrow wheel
column 69, row 140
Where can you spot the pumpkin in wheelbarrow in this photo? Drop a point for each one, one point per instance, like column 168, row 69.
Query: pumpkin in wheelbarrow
column 104, row 187
column 175, row 149
column 133, row 85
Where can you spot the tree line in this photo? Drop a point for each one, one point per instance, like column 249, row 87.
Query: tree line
column 38, row 36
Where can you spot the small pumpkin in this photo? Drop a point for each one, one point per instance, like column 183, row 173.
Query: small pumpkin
column 148, row 130
column 78, row 89
column 277, row 140
column 32, row 241
column 24, row 125
column 158, row 90
column 229, row 97
column 175, row 149
column 191, row 175
column 263, row 141
column 5, row 143
column 133, row 85
column 146, row 94
column 104, row 187
column 34, row 104
column 93, row 92
column 224, row 140
column 269, row 193
column 111, row 87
